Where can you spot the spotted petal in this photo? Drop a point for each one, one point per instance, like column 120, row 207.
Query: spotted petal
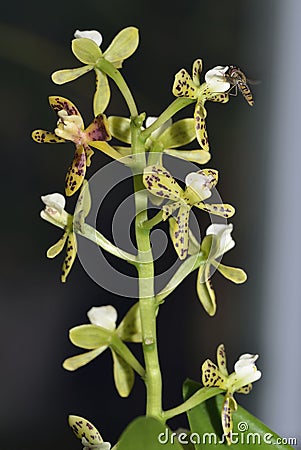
column 222, row 360
column 102, row 93
column 205, row 290
column 218, row 209
column 184, row 86
column 160, row 182
column 98, row 130
column 82, row 428
column 227, row 421
column 211, row 375
column 76, row 172
column 200, row 125
column 179, row 232
column 196, row 71
column 43, row 136
column 58, row 103
column 70, row 256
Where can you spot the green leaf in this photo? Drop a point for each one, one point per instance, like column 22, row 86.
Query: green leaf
column 205, row 425
column 130, row 327
column 145, row 433
column 66, row 75
column 86, row 50
column 90, row 336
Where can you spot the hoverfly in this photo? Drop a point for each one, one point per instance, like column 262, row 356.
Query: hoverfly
column 238, row 80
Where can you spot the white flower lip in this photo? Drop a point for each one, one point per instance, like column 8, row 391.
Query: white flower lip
column 55, row 203
column 94, row 35
column 223, row 232
column 103, row 316
column 199, row 183
column 216, row 80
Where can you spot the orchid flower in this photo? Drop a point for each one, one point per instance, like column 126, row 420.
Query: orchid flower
column 70, row 127
column 199, row 184
column 86, row 48
column 87, row 433
column 214, row 89
column 101, row 334
column 240, row 381
column 218, row 240
column 55, row 213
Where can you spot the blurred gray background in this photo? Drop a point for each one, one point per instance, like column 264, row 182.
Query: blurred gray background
column 257, row 153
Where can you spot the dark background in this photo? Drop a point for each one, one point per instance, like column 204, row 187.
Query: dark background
column 36, row 309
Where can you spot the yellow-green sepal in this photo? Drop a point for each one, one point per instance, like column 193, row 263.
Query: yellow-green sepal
column 82, row 208
column 129, row 329
column 179, row 133
column 205, row 291
column 86, row 50
column 120, row 128
column 90, row 336
column 77, row 361
column 66, row 75
column 122, row 46
column 107, row 149
column 233, row 274
column 102, row 94
column 197, row 156
column 53, row 251
column 124, row 375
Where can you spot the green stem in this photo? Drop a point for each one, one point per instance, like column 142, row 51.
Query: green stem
column 149, row 224
column 108, row 68
column 170, row 111
column 119, row 347
column 147, row 302
column 200, row 396
column 189, row 265
column 98, row 238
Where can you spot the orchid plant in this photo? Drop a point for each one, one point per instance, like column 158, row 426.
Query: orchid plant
column 144, row 145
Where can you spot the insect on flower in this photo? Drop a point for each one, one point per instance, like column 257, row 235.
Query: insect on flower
column 238, row 80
